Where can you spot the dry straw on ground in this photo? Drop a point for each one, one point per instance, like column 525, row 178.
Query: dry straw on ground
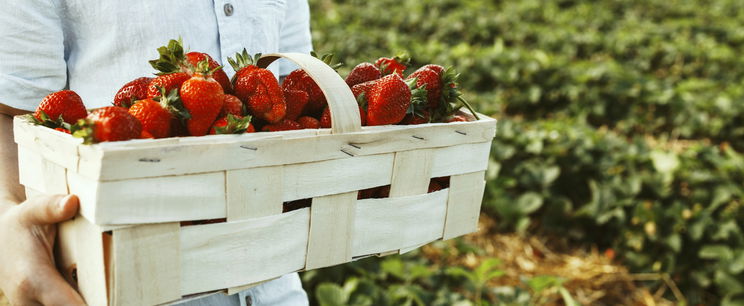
column 590, row 276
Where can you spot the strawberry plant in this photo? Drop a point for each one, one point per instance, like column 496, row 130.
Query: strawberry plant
column 620, row 131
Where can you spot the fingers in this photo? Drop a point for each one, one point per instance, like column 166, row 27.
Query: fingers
column 41, row 285
column 49, row 209
column 52, row 289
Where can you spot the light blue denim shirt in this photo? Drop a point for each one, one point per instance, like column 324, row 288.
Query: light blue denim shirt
column 95, row 47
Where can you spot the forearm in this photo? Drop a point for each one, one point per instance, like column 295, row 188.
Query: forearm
column 11, row 191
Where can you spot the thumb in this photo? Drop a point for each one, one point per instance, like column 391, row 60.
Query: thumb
column 49, row 209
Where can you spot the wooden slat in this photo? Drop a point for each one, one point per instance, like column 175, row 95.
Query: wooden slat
column 80, row 251
column 250, row 151
column 302, row 181
column 91, row 159
column 34, row 171
column 237, row 289
column 152, row 200
column 87, row 191
column 408, row 249
column 146, row 265
column 224, row 255
column 388, row 253
column 193, row 197
column 331, row 225
column 389, row 224
column 460, row 159
column 411, row 173
column 463, row 205
column 55, row 146
column 255, row 192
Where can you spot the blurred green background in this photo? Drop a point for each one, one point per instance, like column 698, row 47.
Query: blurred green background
column 620, row 127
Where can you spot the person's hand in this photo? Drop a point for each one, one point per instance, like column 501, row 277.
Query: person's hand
column 27, row 233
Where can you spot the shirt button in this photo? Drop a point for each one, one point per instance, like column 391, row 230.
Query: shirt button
column 228, row 9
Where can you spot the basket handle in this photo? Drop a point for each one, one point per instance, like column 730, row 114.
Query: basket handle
column 343, row 106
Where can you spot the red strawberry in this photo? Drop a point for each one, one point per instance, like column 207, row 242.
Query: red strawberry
column 157, row 117
column 308, row 122
column 258, row 89
column 232, row 105
column 284, row 125
column 421, row 117
column 267, row 101
column 415, row 114
column 296, row 101
column 243, row 64
column 434, row 186
column 219, row 75
column 110, row 123
column 457, row 118
column 172, row 59
column 396, row 64
column 168, row 82
column 437, row 68
column 146, row 135
column 388, row 101
column 232, row 125
column 325, row 118
column 178, row 126
column 443, row 181
column 296, row 204
column 366, row 193
column 363, row 72
column 65, row 105
column 63, row 130
column 203, row 97
column 382, row 191
column 132, row 91
column 431, row 81
column 443, row 96
column 362, row 88
column 300, row 80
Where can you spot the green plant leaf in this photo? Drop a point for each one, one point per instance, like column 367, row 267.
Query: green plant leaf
column 395, row 267
column 542, row 282
column 729, row 283
column 529, row 203
column 720, row 252
column 329, row 294
column 737, row 265
column 567, row 298
column 461, row 272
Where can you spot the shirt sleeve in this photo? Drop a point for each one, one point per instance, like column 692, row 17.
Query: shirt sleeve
column 295, row 32
column 32, row 53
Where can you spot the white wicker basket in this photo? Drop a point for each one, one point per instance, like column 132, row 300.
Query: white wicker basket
column 129, row 246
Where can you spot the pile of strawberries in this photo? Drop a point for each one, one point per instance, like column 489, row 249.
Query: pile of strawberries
column 192, row 96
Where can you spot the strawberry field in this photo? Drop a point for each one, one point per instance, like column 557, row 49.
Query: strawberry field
column 620, row 132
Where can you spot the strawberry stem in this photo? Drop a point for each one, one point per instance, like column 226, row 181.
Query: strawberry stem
column 470, row 108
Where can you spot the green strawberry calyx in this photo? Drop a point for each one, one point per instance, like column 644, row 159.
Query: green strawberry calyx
column 243, row 59
column 418, row 98
column 45, row 120
column 171, row 58
column 235, row 125
column 451, row 100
